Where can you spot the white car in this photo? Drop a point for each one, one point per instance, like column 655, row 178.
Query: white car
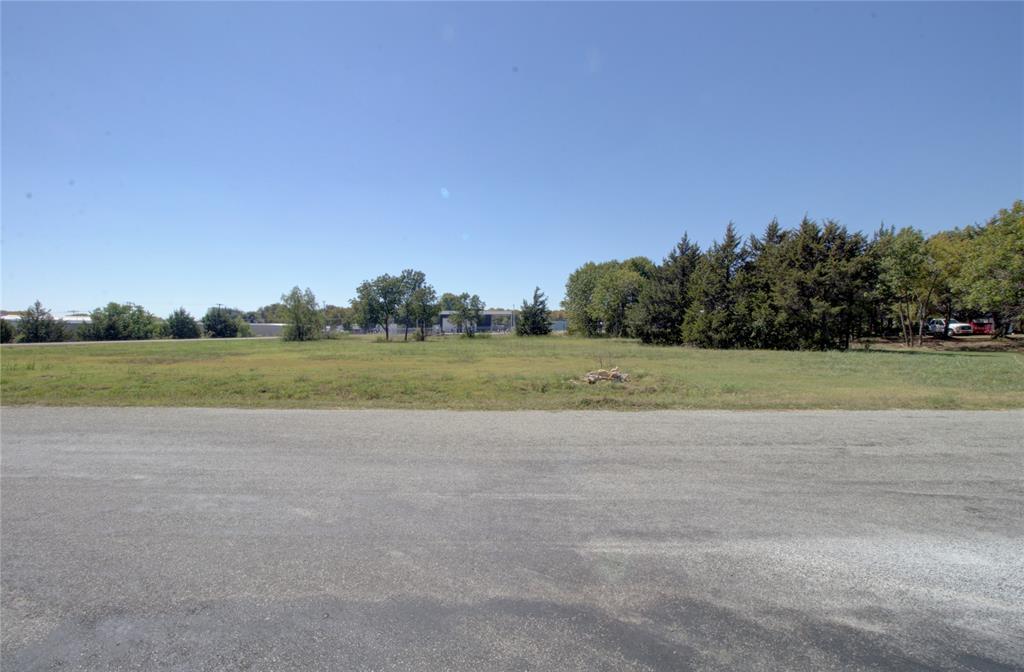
column 937, row 327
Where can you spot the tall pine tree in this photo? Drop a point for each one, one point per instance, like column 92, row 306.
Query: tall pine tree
column 657, row 316
column 710, row 320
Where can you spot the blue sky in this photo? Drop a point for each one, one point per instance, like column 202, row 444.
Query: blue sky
column 194, row 154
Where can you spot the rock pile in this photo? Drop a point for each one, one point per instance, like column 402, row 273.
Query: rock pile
column 605, row 374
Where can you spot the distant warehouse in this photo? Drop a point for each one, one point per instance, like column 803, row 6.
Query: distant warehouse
column 491, row 321
column 496, row 321
column 73, row 321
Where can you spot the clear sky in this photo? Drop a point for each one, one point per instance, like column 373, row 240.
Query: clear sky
column 194, row 154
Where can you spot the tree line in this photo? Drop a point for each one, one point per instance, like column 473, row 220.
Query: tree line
column 406, row 300
column 816, row 286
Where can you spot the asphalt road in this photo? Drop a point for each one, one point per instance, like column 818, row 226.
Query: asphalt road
column 141, row 539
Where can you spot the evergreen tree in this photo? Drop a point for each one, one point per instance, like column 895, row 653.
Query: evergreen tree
column 181, row 324
column 220, row 322
column 710, row 320
column 534, row 317
column 657, row 315
column 757, row 306
column 38, row 326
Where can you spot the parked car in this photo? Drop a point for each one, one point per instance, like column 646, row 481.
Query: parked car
column 937, row 327
column 983, row 325
column 960, row 328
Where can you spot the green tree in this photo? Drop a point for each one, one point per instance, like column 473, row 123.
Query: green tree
column 804, row 289
column 338, row 317
column 467, row 313
column 757, row 286
column 6, row 331
column 304, row 321
column 991, row 279
column 912, row 276
column 579, row 292
column 221, row 322
column 377, row 302
column 273, row 313
column 37, row 325
column 120, row 322
column 181, row 324
column 657, row 315
column 711, row 320
column 422, row 308
column 534, row 316
column 365, row 306
column 411, row 281
column 614, row 294
column 949, row 249
column 448, row 301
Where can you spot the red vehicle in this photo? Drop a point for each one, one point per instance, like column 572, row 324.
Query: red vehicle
column 983, row 325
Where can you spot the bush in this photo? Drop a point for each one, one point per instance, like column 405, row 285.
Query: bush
column 38, row 326
column 120, row 322
column 181, row 324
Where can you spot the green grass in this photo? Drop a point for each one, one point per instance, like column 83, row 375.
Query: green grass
column 499, row 373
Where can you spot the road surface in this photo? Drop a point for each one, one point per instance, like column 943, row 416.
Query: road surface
column 202, row 539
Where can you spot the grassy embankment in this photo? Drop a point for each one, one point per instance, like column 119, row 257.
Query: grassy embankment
column 500, row 373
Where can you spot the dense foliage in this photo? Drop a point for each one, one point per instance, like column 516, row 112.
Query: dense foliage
column 37, row 325
column 121, row 322
column 377, row 302
column 6, row 331
column 303, row 317
column 221, row 322
column 814, row 287
column 468, row 310
column 181, row 324
column 273, row 314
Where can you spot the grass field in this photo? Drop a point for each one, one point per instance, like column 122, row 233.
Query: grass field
column 499, row 373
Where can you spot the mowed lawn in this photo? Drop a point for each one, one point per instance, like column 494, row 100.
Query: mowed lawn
column 499, row 373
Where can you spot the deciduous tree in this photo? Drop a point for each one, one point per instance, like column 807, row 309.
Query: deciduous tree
column 120, row 322
column 304, row 321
